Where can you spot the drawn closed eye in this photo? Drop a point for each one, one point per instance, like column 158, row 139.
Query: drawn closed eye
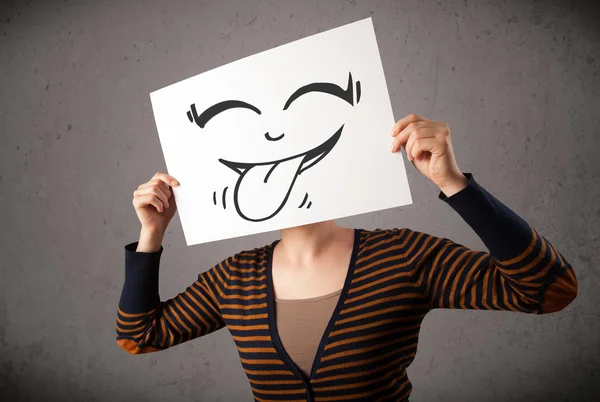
column 329, row 88
column 215, row 109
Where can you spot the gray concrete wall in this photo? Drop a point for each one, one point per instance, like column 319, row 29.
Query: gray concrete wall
column 517, row 81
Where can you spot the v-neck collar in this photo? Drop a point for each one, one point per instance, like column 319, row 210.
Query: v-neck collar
column 334, row 317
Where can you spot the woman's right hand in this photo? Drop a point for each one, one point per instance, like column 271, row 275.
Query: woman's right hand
column 154, row 202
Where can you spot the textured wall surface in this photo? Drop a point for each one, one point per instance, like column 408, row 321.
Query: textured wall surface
column 517, row 81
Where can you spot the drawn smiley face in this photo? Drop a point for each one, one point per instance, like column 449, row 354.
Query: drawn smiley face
column 280, row 175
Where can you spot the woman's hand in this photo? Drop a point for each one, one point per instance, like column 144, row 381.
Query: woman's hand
column 428, row 146
column 155, row 203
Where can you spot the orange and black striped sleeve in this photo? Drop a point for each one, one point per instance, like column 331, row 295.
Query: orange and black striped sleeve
column 146, row 324
column 522, row 272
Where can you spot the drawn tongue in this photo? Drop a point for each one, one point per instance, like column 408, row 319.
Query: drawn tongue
column 263, row 189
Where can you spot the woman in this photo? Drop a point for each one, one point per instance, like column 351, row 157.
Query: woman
column 330, row 313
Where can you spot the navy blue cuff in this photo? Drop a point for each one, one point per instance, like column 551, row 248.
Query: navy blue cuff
column 504, row 233
column 455, row 196
column 140, row 290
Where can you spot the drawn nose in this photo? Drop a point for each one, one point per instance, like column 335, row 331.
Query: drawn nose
column 269, row 138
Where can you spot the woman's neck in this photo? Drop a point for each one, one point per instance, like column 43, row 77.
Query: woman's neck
column 303, row 244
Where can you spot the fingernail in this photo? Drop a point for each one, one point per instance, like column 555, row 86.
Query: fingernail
column 174, row 182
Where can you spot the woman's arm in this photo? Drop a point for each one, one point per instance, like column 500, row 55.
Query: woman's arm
column 522, row 271
column 145, row 324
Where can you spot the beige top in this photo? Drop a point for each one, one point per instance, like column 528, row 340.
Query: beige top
column 301, row 324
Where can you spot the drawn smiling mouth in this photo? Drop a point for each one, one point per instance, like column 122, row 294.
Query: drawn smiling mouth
column 263, row 188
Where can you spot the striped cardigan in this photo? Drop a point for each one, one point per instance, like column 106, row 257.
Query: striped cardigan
column 395, row 277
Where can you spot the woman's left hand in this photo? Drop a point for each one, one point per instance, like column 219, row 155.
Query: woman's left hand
column 429, row 147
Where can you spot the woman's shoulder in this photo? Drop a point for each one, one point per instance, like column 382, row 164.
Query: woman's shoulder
column 247, row 263
column 380, row 243
column 256, row 256
column 401, row 238
column 370, row 235
column 380, row 239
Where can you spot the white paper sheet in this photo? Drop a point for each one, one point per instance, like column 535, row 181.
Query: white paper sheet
column 289, row 136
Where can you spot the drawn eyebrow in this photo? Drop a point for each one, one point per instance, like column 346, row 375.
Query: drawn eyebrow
column 326, row 87
column 215, row 109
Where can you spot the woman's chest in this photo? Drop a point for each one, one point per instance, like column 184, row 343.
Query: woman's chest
column 372, row 323
column 320, row 277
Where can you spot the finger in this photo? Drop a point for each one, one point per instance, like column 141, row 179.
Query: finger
column 421, row 145
column 148, row 199
column 408, row 146
column 401, row 138
column 420, row 133
column 405, row 121
column 418, row 127
column 153, row 189
column 167, row 179
column 163, row 187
